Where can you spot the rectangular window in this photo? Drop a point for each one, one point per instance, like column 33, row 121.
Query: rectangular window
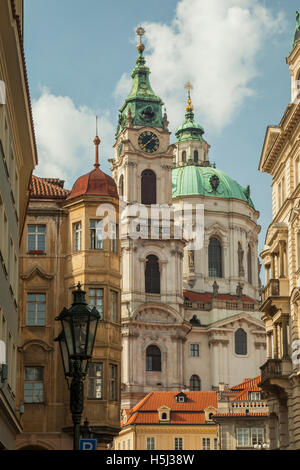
column 254, row 396
column 194, row 350
column 34, row 385
column 36, row 238
column 178, row 443
column 114, row 306
column 95, row 381
column 77, row 236
column 113, row 238
column 215, row 443
column 243, row 437
column 96, row 234
column 113, row 382
column 257, row 436
column 128, row 444
column 150, row 445
column 205, row 444
column 96, row 300
column 36, row 310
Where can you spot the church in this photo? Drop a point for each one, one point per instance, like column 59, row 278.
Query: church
column 190, row 318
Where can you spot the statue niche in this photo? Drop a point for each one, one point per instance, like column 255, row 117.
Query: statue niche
column 240, row 260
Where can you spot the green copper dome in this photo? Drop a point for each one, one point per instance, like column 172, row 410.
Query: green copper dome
column 189, row 130
column 192, row 180
column 142, row 106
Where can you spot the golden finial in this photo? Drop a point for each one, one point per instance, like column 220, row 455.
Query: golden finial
column 189, row 87
column 97, row 143
column 140, row 32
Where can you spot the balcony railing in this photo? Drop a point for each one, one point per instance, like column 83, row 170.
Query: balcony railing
column 275, row 368
column 276, row 288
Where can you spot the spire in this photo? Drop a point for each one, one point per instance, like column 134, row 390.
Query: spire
column 142, row 106
column 97, row 143
column 189, row 107
column 189, row 130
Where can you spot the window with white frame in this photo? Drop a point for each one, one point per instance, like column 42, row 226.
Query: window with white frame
column 96, row 300
column 254, row 396
column 205, row 443
column 36, row 310
column 128, row 444
column 178, row 443
column 36, row 238
column 96, row 234
column 150, row 443
column 215, row 443
column 113, row 382
column 95, row 381
column 113, row 238
column 247, row 437
column 114, row 306
column 34, row 385
column 77, row 236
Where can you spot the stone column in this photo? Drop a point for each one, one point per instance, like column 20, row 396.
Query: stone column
column 273, row 266
column 281, row 258
column 275, row 339
column 284, row 326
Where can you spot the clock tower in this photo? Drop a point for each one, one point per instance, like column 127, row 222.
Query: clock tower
column 153, row 326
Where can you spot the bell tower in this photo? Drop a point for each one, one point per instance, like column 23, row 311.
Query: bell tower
column 153, row 328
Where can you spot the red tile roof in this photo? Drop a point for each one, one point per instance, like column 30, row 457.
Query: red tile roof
column 189, row 412
column 207, row 297
column 47, row 188
column 249, row 385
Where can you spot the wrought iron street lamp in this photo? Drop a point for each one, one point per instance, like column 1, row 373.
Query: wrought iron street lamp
column 76, row 341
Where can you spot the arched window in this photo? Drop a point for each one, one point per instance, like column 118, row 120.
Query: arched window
column 121, row 186
column 195, row 383
column 249, row 264
column 214, row 258
column 183, row 157
column 152, row 275
column 240, row 342
column 148, row 187
column 196, row 156
column 153, row 359
column 164, row 416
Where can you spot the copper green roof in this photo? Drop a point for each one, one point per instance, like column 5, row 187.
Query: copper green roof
column 297, row 31
column 194, row 180
column 189, row 130
column 144, row 106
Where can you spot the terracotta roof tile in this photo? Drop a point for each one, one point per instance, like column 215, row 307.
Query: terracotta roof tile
column 47, row 188
column 207, row 297
column 189, row 412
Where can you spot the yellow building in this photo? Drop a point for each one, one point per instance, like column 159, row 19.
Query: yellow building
column 170, row 421
column 64, row 244
column 17, row 160
column 281, row 257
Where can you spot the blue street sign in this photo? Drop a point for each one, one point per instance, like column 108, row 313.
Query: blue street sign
column 88, row 444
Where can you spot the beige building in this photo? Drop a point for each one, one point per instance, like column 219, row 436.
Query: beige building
column 281, row 257
column 63, row 244
column 170, row 421
column 242, row 417
column 17, row 160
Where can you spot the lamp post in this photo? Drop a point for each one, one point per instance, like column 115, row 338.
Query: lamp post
column 76, row 341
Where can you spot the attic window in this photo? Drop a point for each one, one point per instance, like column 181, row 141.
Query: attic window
column 164, row 416
column 181, row 398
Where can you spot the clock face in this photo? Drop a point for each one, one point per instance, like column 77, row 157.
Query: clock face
column 148, row 142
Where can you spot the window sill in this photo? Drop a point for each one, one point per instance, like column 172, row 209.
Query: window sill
column 36, row 252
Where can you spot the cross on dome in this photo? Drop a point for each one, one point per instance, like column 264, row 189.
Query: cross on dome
column 189, row 87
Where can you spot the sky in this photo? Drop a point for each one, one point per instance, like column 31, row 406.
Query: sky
column 80, row 56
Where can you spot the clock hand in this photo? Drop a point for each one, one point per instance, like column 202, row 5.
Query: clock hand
column 148, row 142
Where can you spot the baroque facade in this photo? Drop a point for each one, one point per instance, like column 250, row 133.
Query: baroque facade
column 191, row 317
column 18, row 158
column 281, row 257
column 61, row 246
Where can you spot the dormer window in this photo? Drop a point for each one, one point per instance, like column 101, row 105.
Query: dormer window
column 164, row 414
column 181, row 398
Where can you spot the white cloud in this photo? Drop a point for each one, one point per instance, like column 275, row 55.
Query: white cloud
column 65, row 137
column 215, row 45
